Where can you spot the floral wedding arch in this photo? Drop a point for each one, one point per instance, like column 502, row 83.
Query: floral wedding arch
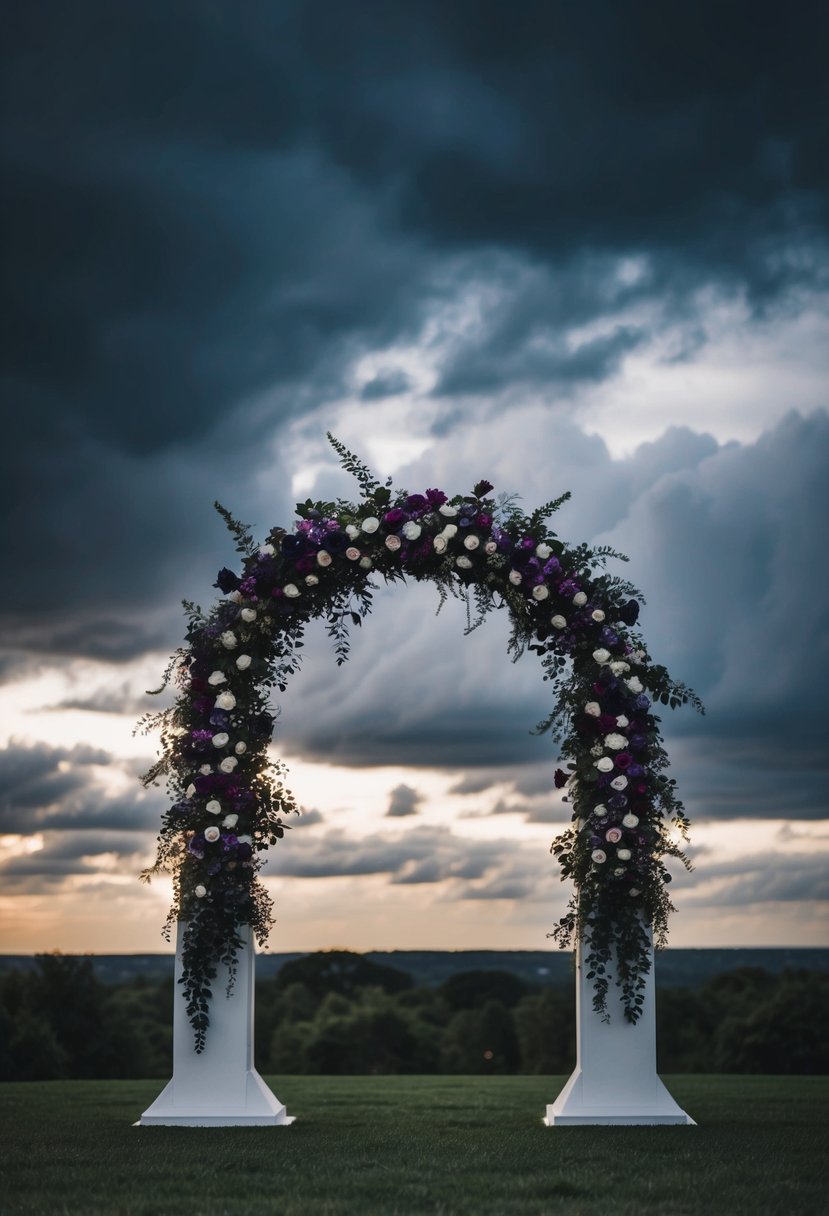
column 229, row 800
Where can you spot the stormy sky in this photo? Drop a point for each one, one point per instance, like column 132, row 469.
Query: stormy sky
column 564, row 247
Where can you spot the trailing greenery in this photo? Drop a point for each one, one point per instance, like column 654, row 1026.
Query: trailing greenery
column 229, row 801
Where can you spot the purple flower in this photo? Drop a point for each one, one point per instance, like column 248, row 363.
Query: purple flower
column 201, row 738
column 219, row 718
column 418, row 503
column 559, row 778
column 227, row 581
column 394, row 517
column 628, row 614
column 483, row 520
column 527, row 543
column 481, row 488
column 635, row 770
column 623, row 760
column 569, row 587
column 293, row 546
column 436, row 498
column 552, row 566
column 642, row 701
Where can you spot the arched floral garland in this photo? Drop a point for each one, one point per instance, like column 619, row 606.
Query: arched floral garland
column 229, row 801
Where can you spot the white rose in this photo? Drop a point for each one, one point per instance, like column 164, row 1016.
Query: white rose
column 605, row 764
column 205, row 769
column 515, row 578
column 619, row 783
column 448, row 511
column 366, row 563
column 597, row 615
column 228, row 640
column 540, row 592
column 630, row 821
column 243, row 662
column 190, row 791
column 352, row 532
column 490, row 547
column 601, row 656
column 200, row 891
column 619, row 668
column 411, row 530
column 240, row 748
column 638, row 655
column 439, row 544
column 236, row 596
column 543, row 551
column 267, row 550
column 600, row 811
column 615, row 742
column 217, row 677
column 623, row 854
column 580, row 599
column 635, row 684
column 371, row 524
column 471, row 542
column 212, row 834
column 465, row 563
column 221, row 739
column 225, row 700
column 598, row 856
column 449, row 531
column 323, row 558
column 230, row 821
column 622, row 721
column 213, row 807
column 311, row 580
column 248, row 615
column 352, row 554
column 291, row 590
column 558, row 622
column 593, row 708
column 228, row 764
column 245, row 839
column 619, row 871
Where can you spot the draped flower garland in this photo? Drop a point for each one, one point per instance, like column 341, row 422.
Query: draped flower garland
column 229, row 802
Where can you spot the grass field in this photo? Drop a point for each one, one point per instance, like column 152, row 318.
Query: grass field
column 411, row 1145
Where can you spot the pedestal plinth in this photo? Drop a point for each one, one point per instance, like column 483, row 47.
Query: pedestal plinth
column 615, row 1079
column 219, row 1087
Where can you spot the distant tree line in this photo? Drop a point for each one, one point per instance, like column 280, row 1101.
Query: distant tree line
column 338, row 1012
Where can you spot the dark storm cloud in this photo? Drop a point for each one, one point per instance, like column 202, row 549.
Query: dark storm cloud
column 53, row 789
column 764, row 878
column 385, row 384
column 212, row 210
column 68, row 854
column 403, row 800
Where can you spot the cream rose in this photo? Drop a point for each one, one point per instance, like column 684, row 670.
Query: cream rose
column 228, row 764
column 371, row 524
column 411, row 530
column 613, row 835
column 463, row 563
column 601, row 656
column 248, row 615
column 619, row 783
column 439, row 544
column 630, row 821
column 352, row 532
column 290, row 590
column 615, row 742
column 243, row 662
column 580, row 599
column 558, row 622
column 598, row 856
column 230, row 821
column 471, row 542
column 604, row 764
column 190, row 791
column 623, row 854
column 449, row 531
column 212, row 834
column 393, row 543
column 323, row 558
column 635, row 684
column 540, row 592
column 221, row 739
column 593, row 708
column 352, row 554
column 543, row 551
column 200, row 891
column 366, row 563
column 240, row 748
column 267, row 550
column 597, row 615
column 515, row 578
column 217, row 677
column 619, row 667
column 447, row 511
column 490, row 547
column 311, row 580
column 213, row 807
column 225, row 700
column 229, row 640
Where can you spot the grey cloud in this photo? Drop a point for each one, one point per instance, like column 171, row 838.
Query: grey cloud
column 764, row 878
column 403, row 800
column 67, row 854
column 386, row 384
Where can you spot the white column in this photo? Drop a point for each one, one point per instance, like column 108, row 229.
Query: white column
column 615, row 1080
column 219, row 1087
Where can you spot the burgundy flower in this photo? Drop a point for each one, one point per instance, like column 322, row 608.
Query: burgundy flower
column 417, row 503
column 560, row 778
column 607, row 722
column 483, row 520
column 394, row 517
column 623, row 760
column 435, row 498
column 481, row 488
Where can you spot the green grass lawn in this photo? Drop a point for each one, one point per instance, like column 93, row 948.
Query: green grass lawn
column 407, row 1145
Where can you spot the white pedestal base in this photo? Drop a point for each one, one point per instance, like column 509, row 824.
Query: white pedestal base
column 615, row 1079
column 220, row 1087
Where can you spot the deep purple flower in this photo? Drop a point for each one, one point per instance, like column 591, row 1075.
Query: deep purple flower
column 635, row 770
column 337, row 541
column 527, row 543
column 306, row 564
column 609, row 637
column 293, row 546
column 623, row 760
column 465, row 522
column 638, row 743
column 227, row 581
column 628, row 614
column 201, row 738
column 643, row 701
column 394, row 517
column 618, row 802
column 552, row 566
column 436, row 498
column 483, row 520
column 220, row 718
column 607, row 722
column 418, row 503
column 569, row 587
column 481, row 488
column 560, row 778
